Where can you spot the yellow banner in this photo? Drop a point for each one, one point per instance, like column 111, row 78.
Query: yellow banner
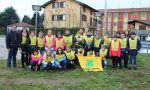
column 90, row 63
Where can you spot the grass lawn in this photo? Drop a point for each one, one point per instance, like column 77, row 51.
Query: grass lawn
column 24, row 79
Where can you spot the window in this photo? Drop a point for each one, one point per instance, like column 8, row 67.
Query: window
column 142, row 27
column 91, row 12
column 90, row 21
column 63, row 4
column 55, row 5
column 62, row 17
column 84, row 9
column 94, row 22
column 125, row 15
column 84, row 17
column 115, row 17
column 143, row 15
column 59, row 17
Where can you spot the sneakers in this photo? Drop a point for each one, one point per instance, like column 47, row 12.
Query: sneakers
column 130, row 67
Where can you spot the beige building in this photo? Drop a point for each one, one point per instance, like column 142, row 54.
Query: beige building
column 68, row 14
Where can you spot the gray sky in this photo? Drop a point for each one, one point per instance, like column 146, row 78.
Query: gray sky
column 24, row 7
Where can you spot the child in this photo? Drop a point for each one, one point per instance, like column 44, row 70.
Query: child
column 70, row 55
column 88, row 42
column 115, row 52
column 59, row 42
column 40, row 43
column 90, row 53
column 124, row 53
column 97, row 43
column 36, row 58
column 60, row 58
column 68, row 39
column 23, row 46
column 80, row 51
column 103, row 54
column 48, row 61
column 134, row 45
column 32, row 44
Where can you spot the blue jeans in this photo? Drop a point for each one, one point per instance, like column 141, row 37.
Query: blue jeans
column 51, row 65
column 12, row 55
column 131, row 58
column 41, row 50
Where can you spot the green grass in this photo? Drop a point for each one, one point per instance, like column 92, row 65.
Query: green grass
column 24, row 79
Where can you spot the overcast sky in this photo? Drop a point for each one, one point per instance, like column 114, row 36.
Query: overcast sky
column 24, row 7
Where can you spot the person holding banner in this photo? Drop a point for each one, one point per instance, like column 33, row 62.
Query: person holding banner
column 124, row 52
column 70, row 55
column 103, row 54
column 80, row 51
column 115, row 52
column 49, row 41
column 97, row 44
column 88, row 42
column 59, row 42
column 68, row 39
column 134, row 45
column 91, row 53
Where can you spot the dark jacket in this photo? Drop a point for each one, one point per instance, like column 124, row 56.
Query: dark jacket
column 134, row 51
column 12, row 40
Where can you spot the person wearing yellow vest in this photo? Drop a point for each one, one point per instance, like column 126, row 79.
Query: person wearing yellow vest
column 24, row 49
column 134, row 45
column 48, row 60
column 60, row 59
column 80, row 51
column 124, row 52
column 49, row 41
column 40, row 43
column 103, row 53
column 36, row 58
column 32, row 43
column 70, row 55
column 106, row 40
column 68, row 39
column 115, row 52
column 90, row 53
column 59, row 42
column 97, row 44
column 88, row 42
column 79, row 40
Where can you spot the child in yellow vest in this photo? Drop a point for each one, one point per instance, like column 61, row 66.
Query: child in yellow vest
column 80, row 51
column 91, row 53
column 40, row 43
column 70, row 55
column 36, row 58
column 48, row 61
column 97, row 43
column 103, row 54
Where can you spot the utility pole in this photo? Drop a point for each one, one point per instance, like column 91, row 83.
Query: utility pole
column 105, row 17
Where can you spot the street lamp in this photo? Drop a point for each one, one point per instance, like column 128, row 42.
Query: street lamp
column 105, row 17
column 97, row 15
column 36, row 8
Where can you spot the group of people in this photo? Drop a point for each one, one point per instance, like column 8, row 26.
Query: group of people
column 61, row 52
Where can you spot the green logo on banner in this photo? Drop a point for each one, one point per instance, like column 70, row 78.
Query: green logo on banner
column 89, row 63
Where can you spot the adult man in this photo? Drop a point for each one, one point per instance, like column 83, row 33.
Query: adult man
column 12, row 42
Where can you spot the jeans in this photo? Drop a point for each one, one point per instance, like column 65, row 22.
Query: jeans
column 115, row 62
column 12, row 55
column 124, row 56
column 35, row 66
column 131, row 58
column 46, row 65
column 41, row 49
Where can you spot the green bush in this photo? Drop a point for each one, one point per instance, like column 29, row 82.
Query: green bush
column 3, row 31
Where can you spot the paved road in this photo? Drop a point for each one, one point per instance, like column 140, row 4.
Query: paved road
column 3, row 50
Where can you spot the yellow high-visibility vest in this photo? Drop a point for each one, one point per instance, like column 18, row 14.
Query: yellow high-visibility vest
column 49, row 40
column 59, row 43
column 123, row 42
column 115, row 44
column 23, row 40
column 58, row 57
column 89, row 40
column 68, row 40
column 40, row 42
column 81, row 39
column 107, row 41
column 33, row 40
column 47, row 58
column 103, row 53
column 70, row 55
column 80, row 54
column 133, row 43
column 97, row 42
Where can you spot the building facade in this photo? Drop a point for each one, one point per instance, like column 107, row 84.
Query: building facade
column 117, row 19
column 68, row 14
